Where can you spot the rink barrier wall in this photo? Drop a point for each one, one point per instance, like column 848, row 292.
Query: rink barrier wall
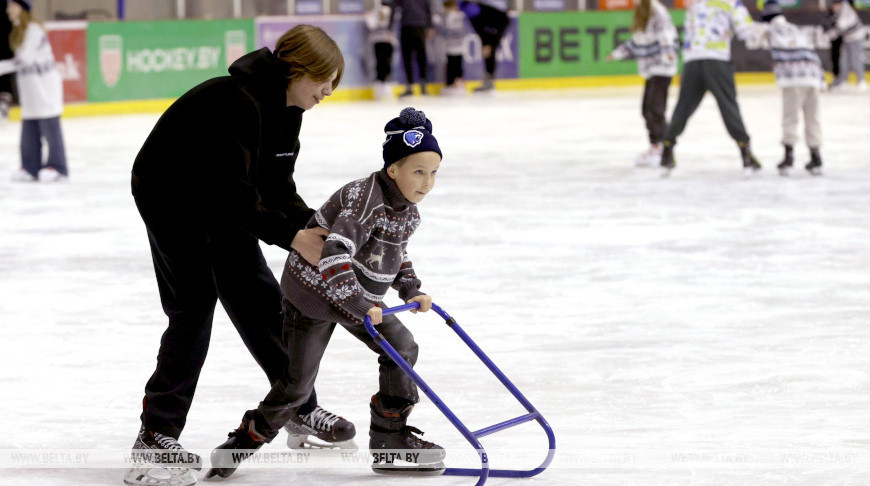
column 135, row 67
column 75, row 110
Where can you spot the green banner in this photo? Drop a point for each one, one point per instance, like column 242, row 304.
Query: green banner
column 575, row 43
column 142, row 60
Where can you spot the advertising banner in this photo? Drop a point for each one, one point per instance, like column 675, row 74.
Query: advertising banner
column 69, row 43
column 575, row 43
column 143, row 60
column 615, row 4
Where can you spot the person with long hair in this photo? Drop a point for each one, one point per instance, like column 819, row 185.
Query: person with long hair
column 40, row 93
column 215, row 177
column 654, row 44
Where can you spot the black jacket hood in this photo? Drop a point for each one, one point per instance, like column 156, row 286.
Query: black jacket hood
column 263, row 71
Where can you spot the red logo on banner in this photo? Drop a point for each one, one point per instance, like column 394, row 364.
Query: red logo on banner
column 110, row 59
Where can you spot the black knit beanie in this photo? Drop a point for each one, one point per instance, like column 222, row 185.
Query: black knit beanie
column 408, row 134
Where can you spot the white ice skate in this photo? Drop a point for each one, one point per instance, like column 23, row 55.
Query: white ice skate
column 320, row 429
column 159, row 460
column 147, row 474
column 48, row 174
column 652, row 157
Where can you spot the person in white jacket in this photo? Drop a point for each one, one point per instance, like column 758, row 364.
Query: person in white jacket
column 710, row 26
column 654, row 44
column 40, row 92
column 848, row 26
column 800, row 75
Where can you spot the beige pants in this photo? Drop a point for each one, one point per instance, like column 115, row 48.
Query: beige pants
column 794, row 100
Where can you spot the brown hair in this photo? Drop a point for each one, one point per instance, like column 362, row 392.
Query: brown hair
column 641, row 15
column 16, row 35
column 310, row 51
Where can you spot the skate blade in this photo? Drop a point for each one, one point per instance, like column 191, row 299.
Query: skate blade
column 815, row 172
column 750, row 172
column 310, row 443
column 212, row 473
column 784, row 172
column 392, row 469
column 153, row 475
column 666, row 172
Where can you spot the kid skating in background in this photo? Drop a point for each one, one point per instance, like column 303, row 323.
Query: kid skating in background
column 710, row 26
column 40, row 93
column 369, row 222
column 800, row 74
column 490, row 23
column 453, row 30
column 654, row 44
column 848, row 26
column 383, row 41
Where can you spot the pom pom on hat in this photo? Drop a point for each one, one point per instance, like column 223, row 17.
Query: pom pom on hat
column 770, row 10
column 407, row 134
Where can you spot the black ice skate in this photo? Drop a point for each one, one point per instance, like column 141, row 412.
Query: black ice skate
column 320, row 429
column 787, row 161
column 667, row 162
column 750, row 163
column 394, row 446
column 159, row 460
column 241, row 444
column 815, row 164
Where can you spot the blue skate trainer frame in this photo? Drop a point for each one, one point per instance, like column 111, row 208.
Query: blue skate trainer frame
column 484, row 472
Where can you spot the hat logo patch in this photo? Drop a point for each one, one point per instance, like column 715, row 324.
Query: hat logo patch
column 412, row 138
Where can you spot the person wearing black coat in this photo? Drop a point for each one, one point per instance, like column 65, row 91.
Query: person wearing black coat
column 215, row 176
column 490, row 25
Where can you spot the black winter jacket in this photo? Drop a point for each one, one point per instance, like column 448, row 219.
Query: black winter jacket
column 226, row 151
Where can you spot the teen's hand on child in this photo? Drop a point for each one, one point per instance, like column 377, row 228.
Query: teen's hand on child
column 309, row 244
column 376, row 315
column 425, row 303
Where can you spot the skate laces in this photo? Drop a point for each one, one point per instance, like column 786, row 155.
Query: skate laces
column 167, row 442
column 407, row 431
column 321, row 419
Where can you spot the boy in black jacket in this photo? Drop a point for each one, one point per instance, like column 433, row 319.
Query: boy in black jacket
column 370, row 222
column 215, row 176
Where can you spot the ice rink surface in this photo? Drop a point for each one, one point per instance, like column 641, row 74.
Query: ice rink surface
column 702, row 329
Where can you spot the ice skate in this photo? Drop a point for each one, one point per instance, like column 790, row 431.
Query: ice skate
column 396, row 447
column 22, row 175
column 487, row 86
column 241, row 444
column 161, row 461
column 320, row 429
column 750, row 164
column 48, row 174
column 667, row 162
column 652, row 157
column 787, row 162
column 815, row 164
column 409, row 91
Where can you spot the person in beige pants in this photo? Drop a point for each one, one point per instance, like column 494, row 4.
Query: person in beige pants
column 800, row 75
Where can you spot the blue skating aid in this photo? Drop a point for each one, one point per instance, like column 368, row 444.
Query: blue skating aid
column 472, row 437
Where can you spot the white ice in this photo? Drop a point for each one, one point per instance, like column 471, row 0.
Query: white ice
column 701, row 329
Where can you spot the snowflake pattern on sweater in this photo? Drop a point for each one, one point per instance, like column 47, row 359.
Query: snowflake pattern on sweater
column 364, row 255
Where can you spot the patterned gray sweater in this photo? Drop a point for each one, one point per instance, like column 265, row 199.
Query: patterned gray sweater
column 369, row 223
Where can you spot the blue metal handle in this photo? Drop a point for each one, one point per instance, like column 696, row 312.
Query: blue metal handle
column 471, row 437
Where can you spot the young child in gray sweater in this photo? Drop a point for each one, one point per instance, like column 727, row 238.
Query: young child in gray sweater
column 369, row 221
